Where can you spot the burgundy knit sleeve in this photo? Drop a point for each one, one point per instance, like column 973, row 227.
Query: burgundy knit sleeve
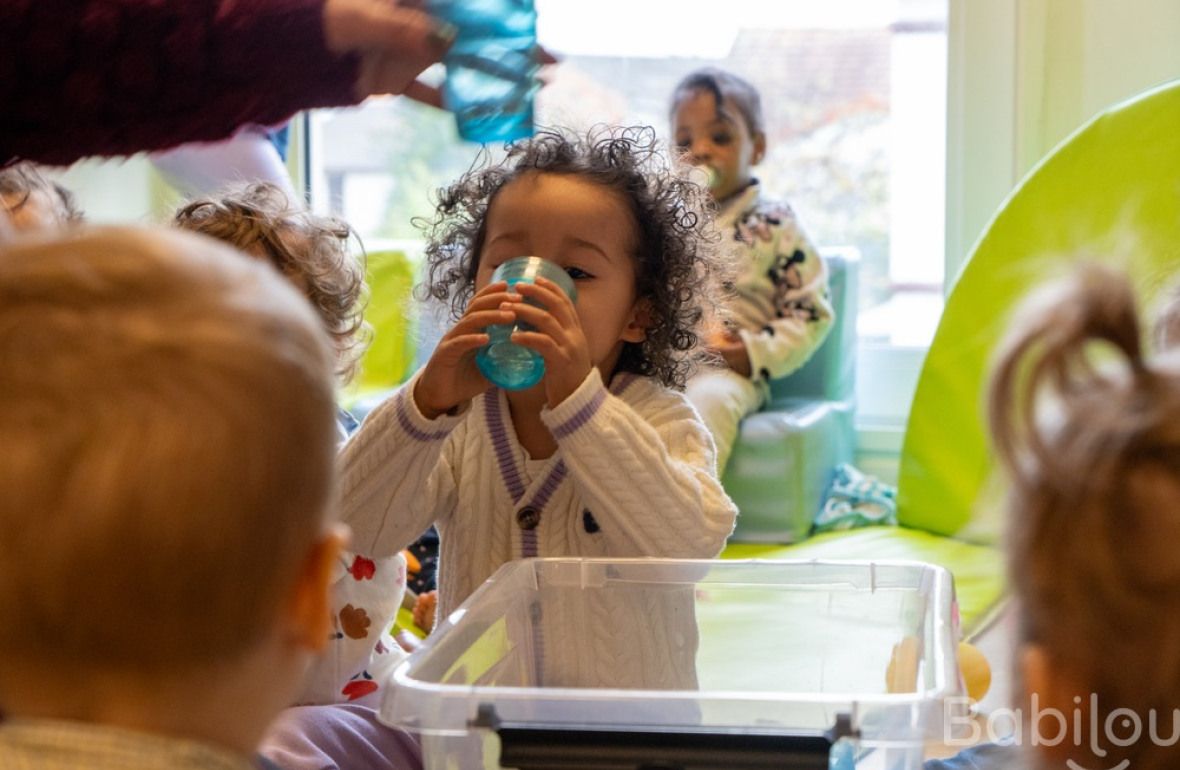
column 113, row 77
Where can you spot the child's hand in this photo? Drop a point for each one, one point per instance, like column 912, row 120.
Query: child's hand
column 424, row 610
column 451, row 378
column 732, row 350
column 558, row 337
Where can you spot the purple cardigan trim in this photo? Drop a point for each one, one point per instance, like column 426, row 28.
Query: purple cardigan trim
column 403, row 420
column 528, row 538
column 503, row 447
column 552, row 482
column 580, row 417
column 620, row 382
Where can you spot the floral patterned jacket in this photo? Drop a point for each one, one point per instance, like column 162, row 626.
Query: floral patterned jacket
column 361, row 653
column 781, row 307
column 366, row 595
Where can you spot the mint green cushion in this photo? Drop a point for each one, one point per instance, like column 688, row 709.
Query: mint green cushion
column 784, row 455
column 978, row 569
column 1111, row 191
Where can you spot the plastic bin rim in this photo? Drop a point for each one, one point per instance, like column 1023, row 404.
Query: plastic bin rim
column 944, row 665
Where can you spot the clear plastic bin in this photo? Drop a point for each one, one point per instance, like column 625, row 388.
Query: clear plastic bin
column 594, row 663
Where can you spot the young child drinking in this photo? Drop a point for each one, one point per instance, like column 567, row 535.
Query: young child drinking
column 1090, row 446
column 166, row 498
column 32, row 202
column 603, row 457
column 779, row 312
column 312, row 253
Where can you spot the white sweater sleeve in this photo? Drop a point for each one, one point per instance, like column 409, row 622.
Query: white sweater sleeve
column 644, row 471
column 396, row 475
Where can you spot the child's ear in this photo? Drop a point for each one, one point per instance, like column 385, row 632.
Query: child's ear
column 759, row 148
column 310, row 616
column 642, row 318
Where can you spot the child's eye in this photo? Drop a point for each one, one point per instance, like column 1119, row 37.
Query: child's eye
column 722, row 139
column 684, row 145
column 577, row 273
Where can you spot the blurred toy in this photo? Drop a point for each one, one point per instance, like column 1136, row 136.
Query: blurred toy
column 901, row 675
column 976, row 673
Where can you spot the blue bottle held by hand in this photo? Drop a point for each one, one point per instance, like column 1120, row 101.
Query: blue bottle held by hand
column 491, row 67
column 506, row 364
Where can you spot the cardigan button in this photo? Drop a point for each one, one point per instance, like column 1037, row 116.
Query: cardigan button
column 528, row 517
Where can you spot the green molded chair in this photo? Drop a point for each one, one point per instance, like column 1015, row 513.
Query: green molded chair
column 389, row 359
column 784, row 456
column 1110, row 190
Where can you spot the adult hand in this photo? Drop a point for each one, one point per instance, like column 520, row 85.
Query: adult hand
column 431, row 95
column 451, row 378
column 558, row 338
column 395, row 44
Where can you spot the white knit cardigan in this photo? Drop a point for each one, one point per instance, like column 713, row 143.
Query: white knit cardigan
column 634, row 475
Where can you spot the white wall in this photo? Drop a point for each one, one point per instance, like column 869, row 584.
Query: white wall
column 113, row 190
column 1024, row 74
column 130, row 190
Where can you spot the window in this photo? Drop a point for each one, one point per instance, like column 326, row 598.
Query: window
column 854, row 93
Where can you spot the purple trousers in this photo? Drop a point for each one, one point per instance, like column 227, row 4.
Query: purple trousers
column 338, row 737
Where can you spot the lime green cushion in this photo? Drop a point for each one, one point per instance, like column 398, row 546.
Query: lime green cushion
column 389, row 358
column 978, row 569
column 1112, row 190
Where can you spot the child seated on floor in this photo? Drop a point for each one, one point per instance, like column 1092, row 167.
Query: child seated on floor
column 166, row 498
column 32, row 202
column 312, row 253
column 604, row 456
column 779, row 312
column 1090, row 446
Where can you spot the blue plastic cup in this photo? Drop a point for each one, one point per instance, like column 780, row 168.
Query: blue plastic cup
column 491, row 67
column 506, row 364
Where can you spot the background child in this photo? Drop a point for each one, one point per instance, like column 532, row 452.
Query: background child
column 1091, row 450
column 779, row 312
column 166, row 413
column 312, row 252
column 32, row 202
column 601, row 458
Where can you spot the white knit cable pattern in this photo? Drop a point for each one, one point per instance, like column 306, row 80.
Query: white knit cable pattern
column 641, row 464
column 649, row 482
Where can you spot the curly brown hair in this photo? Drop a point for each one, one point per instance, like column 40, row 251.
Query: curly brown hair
column 310, row 250
column 677, row 269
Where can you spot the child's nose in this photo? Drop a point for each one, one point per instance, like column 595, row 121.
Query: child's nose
column 701, row 152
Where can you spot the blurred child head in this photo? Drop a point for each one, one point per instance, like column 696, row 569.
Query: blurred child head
column 717, row 122
column 1088, row 431
column 167, row 418
column 311, row 251
column 33, row 202
column 619, row 176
